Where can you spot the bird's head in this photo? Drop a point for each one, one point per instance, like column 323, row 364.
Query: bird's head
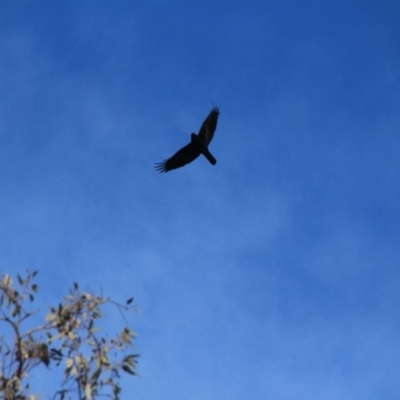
column 195, row 139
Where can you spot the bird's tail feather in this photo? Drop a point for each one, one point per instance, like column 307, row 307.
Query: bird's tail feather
column 209, row 156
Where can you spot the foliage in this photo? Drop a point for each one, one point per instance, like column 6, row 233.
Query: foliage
column 68, row 338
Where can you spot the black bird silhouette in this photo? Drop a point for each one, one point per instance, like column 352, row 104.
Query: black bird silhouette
column 198, row 145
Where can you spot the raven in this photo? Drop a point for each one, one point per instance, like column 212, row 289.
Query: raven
column 198, row 145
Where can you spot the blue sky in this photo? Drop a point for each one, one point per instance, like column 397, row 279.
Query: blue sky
column 274, row 274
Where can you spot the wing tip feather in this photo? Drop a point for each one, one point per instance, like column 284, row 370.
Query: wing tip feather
column 215, row 109
column 161, row 166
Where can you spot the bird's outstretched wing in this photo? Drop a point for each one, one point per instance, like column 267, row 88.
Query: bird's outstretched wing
column 182, row 157
column 208, row 127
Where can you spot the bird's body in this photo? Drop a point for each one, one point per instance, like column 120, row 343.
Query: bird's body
column 198, row 145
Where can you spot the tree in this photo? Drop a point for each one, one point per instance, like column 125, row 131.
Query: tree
column 68, row 338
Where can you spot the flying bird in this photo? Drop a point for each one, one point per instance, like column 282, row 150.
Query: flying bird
column 198, row 145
